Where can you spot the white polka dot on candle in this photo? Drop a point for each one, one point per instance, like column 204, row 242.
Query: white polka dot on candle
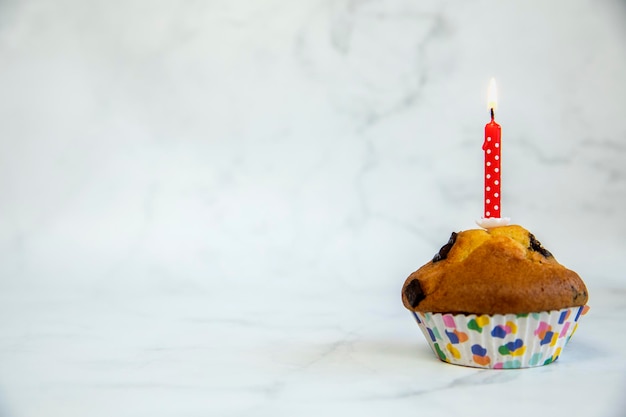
column 489, row 151
column 487, row 201
column 489, row 176
column 488, row 164
column 488, row 189
column 488, row 214
column 497, row 170
column 497, row 145
column 497, row 157
column 495, row 207
column 496, row 195
column 496, row 182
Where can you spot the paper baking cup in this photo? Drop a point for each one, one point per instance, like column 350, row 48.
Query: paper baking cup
column 500, row 341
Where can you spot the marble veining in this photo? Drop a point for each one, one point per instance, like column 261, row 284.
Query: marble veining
column 209, row 208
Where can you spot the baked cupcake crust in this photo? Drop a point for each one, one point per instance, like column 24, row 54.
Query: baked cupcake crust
column 497, row 271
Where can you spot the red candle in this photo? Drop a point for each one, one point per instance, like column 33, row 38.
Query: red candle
column 492, row 149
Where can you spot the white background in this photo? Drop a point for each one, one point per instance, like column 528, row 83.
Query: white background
column 198, row 200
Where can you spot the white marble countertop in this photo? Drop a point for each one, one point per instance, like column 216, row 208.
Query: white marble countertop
column 243, row 353
column 209, row 208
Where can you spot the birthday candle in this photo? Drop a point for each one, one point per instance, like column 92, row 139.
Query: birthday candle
column 492, row 148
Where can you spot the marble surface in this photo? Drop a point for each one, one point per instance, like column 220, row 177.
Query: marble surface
column 209, row 208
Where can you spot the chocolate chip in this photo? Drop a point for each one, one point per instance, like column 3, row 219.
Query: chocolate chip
column 414, row 293
column 535, row 245
column 445, row 249
column 577, row 294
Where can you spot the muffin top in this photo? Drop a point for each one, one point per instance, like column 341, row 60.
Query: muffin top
column 497, row 271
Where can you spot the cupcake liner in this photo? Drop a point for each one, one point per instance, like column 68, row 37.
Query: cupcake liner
column 500, row 341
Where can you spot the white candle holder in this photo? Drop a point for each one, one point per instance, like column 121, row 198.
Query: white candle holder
column 492, row 222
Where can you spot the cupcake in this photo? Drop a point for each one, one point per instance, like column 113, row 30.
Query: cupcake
column 495, row 298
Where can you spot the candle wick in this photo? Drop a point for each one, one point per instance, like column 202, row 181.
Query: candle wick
column 492, row 115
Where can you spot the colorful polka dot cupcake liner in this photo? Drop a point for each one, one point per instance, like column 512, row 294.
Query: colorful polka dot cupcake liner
column 500, row 341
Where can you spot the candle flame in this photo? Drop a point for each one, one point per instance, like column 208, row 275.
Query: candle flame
column 492, row 95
